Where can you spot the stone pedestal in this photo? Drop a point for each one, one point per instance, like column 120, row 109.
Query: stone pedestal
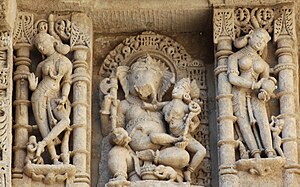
column 153, row 183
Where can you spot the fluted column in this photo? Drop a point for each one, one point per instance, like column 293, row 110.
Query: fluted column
column 80, row 106
column 223, row 20
column 21, row 104
column 286, row 69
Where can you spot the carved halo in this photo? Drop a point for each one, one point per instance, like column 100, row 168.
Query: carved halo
column 157, row 46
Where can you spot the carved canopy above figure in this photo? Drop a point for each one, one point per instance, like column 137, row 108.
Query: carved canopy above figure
column 146, row 66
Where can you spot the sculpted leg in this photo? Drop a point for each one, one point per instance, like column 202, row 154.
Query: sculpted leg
column 163, row 139
column 65, row 155
column 40, row 115
column 194, row 147
column 243, row 121
column 260, row 113
column 119, row 163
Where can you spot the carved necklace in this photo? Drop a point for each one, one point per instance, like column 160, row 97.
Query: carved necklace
column 248, row 51
column 134, row 100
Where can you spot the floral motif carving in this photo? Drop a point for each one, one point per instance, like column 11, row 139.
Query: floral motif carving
column 247, row 19
column 133, row 47
column 3, row 126
column 24, row 31
column 223, row 23
column 3, row 9
column 284, row 24
column 78, row 37
column 63, row 28
column 5, row 39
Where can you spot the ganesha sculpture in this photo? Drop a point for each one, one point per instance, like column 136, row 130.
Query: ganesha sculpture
column 143, row 149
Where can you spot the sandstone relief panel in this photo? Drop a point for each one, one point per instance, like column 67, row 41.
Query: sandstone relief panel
column 153, row 123
column 256, row 95
column 52, row 130
column 148, row 99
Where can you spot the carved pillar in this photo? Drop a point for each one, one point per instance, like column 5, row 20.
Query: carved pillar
column 81, row 103
column 21, row 103
column 22, row 64
column 285, row 37
column 223, row 35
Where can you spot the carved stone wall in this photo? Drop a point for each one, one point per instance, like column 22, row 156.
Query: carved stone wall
column 206, row 41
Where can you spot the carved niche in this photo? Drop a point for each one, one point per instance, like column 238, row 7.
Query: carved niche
column 52, row 100
column 257, row 94
column 139, row 102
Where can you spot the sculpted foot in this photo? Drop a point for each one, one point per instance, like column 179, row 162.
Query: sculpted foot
column 119, row 181
column 57, row 162
column 146, row 155
column 187, row 176
column 270, row 154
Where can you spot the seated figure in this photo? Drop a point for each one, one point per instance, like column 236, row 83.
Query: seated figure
column 141, row 142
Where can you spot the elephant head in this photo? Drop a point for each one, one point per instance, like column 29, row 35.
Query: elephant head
column 147, row 79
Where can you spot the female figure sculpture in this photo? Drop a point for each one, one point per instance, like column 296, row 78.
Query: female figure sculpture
column 181, row 115
column 249, row 75
column 50, row 96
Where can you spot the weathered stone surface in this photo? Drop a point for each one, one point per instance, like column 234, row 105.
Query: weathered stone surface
column 249, row 122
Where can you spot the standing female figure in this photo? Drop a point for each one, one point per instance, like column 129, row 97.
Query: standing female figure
column 50, row 96
column 248, row 72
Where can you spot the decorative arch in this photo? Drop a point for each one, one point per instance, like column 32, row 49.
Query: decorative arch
column 158, row 46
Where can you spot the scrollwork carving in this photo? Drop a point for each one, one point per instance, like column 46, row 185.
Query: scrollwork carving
column 77, row 37
column 3, row 78
column 24, row 30
column 130, row 48
column 284, row 24
column 223, row 24
column 3, row 9
column 63, row 29
column 5, row 39
column 3, row 125
column 247, row 19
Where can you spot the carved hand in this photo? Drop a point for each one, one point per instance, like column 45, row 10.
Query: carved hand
column 33, row 81
column 60, row 102
column 257, row 85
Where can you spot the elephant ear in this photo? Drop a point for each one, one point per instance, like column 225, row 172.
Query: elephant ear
column 167, row 79
column 121, row 74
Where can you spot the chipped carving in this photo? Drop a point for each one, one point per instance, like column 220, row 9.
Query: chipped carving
column 145, row 96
